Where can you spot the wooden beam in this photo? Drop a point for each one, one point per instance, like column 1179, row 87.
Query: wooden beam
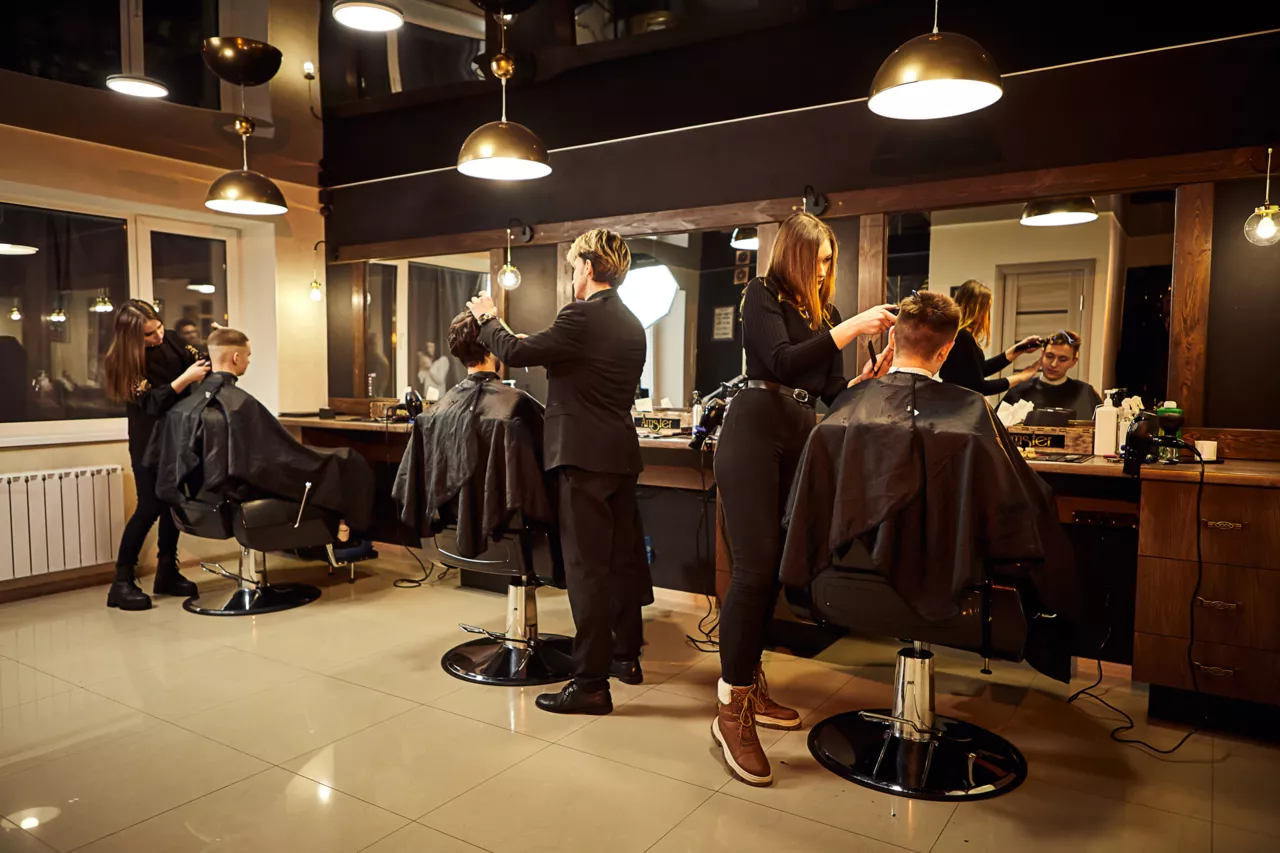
column 1189, row 311
column 1094, row 179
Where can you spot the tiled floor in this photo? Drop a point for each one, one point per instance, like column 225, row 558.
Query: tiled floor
column 333, row 729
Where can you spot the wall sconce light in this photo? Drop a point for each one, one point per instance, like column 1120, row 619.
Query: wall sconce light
column 811, row 202
column 102, row 305
column 509, row 276
column 15, row 314
column 1261, row 228
column 317, row 289
column 60, row 316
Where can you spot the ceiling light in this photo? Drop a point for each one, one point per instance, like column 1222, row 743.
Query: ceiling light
column 15, row 314
column 503, row 150
column 747, row 239
column 649, row 293
column 58, row 316
column 17, row 249
column 1261, row 228
column 202, row 288
column 935, row 76
column 137, row 86
column 373, row 16
column 1064, row 211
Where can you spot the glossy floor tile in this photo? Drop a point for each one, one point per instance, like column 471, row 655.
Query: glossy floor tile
column 411, row 671
column 20, row 684
column 15, row 839
column 513, row 708
column 270, row 812
column 1246, row 794
column 416, row 838
column 62, row 724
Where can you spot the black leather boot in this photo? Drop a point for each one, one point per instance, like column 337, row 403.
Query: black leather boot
column 169, row 581
column 627, row 671
column 574, row 700
column 124, row 592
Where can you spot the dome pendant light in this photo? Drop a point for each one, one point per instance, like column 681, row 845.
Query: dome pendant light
column 745, row 239
column 131, row 80
column 372, row 16
column 1263, row 227
column 1067, row 211
column 503, row 150
column 935, row 76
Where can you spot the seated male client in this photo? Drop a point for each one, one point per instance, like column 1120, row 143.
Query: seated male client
column 263, row 458
column 1053, row 389
column 475, row 457
column 911, row 467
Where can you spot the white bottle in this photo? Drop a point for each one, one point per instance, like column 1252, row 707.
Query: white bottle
column 1106, row 420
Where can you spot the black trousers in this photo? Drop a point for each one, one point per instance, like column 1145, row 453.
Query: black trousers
column 149, row 511
column 760, row 445
column 604, row 568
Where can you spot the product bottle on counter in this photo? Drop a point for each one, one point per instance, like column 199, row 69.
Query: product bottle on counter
column 1106, row 420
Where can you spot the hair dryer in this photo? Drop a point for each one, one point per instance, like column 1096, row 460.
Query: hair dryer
column 1142, row 438
column 713, row 406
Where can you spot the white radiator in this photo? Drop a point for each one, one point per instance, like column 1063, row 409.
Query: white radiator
column 51, row 521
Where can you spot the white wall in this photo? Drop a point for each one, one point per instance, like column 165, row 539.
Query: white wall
column 959, row 251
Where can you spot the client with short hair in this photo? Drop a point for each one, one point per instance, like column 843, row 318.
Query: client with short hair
column 1053, row 388
column 263, row 458
column 923, row 474
column 475, row 457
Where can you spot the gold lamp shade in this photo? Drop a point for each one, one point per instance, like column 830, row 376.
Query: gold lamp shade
column 504, row 151
column 935, row 76
column 1062, row 211
column 241, row 61
column 246, row 193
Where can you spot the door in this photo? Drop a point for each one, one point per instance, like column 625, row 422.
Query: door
column 191, row 273
column 1040, row 299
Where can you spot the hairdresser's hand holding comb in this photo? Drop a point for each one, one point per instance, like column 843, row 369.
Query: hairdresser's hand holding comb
column 873, row 321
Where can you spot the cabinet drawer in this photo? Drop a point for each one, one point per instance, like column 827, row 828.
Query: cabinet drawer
column 1222, row 670
column 1236, row 606
column 1240, row 524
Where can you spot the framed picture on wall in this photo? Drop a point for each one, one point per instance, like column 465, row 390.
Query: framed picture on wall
column 743, row 258
column 722, row 326
column 741, row 275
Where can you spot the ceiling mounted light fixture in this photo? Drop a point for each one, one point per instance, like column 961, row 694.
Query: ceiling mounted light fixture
column 202, row 288
column 935, row 76
column 243, row 62
column 1263, row 227
column 371, row 16
column 131, row 80
column 746, row 239
column 1046, row 213
column 17, row 249
column 503, row 150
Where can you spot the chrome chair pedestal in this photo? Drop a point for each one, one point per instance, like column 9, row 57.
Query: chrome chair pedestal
column 253, row 594
column 520, row 657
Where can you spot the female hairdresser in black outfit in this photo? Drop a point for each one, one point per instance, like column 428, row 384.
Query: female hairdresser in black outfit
column 149, row 370
column 793, row 336
column 966, row 366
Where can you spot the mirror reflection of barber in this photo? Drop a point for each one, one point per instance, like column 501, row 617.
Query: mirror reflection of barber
column 966, row 365
column 1053, row 388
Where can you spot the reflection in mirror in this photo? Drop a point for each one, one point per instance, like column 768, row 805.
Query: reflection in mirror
column 380, row 330
column 189, row 284
column 1106, row 283
column 439, row 288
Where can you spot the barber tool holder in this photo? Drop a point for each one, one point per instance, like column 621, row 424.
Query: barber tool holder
column 910, row 751
column 519, row 657
column 253, row 593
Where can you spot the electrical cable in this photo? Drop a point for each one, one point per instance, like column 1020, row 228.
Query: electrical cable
column 426, row 579
column 707, row 643
column 1130, row 725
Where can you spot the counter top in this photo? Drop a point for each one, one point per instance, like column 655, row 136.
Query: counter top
column 346, row 422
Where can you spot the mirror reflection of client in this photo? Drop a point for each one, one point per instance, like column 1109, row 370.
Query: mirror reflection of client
column 965, row 365
column 1053, row 389
column 263, row 458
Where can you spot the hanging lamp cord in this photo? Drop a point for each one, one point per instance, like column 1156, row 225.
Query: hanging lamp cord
column 935, row 16
column 1267, row 200
column 508, row 233
column 502, row 23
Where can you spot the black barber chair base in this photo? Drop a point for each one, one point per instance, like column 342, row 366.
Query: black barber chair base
column 494, row 661
column 247, row 601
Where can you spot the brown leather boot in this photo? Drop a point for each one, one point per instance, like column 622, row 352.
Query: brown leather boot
column 734, row 728
column 768, row 712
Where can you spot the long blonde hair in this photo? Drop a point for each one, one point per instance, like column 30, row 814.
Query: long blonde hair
column 793, row 266
column 126, row 363
column 974, row 299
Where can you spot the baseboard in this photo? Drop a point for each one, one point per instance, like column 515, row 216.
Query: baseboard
column 35, row 586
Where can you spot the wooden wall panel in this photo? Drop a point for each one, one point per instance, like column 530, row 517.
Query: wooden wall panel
column 564, row 276
column 1189, row 312
column 873, row 258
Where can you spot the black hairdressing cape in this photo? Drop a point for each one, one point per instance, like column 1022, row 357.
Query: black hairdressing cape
column 481, row 445
column 263, row 458
column 928, row 479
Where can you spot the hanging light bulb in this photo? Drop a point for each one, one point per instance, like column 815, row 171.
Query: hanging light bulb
column 935, row 76
column 317, row 289
column 158, row 304
column 15, row 314
column 317, row 292
column 1068, row 211
column 58, row 316
column 1263, row 227
column 508, row 276
column 372, row 16
column 746, row 239
column 504, row 150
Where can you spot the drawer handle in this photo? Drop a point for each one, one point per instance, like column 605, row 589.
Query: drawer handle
column 1217, row 605
column 1224, row 525
column 1215, row 670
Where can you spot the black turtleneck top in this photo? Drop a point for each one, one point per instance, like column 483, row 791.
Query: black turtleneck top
column 782, row 348
column 165, row 363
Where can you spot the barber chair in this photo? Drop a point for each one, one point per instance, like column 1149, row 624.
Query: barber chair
column 529, row 556
column 909, row 750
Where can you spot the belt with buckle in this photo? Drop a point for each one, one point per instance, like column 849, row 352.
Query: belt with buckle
column 800, row 395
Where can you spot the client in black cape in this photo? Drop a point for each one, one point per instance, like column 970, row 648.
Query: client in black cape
column 925, row 476
column 474, row 458
column 263, row 458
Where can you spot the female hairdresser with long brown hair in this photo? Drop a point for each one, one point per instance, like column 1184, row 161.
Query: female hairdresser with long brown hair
column 148, row 369
column 966, row 364
column 793, row 336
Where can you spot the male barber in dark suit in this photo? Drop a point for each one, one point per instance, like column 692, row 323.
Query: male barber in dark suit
column 594, row 353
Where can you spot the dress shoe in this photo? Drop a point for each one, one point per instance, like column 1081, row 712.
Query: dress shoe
column 734, row 729
column 574, row 700
column 769, row 713
column 126, row 595
column 627, row 671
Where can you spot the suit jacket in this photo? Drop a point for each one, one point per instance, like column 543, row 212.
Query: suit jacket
column 474, row 460
column 594, row 353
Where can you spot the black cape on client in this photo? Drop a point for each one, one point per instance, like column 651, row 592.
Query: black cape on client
column 927, row 478
column 481, row 445
column 263, row 459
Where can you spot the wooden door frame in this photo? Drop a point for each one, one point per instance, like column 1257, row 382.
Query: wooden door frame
column 1086, row 312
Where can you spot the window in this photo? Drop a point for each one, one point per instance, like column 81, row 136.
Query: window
column 189, row 283
column 56, row 312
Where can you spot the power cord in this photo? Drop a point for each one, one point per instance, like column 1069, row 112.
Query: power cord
column 426, row 579
column 710, row 622
column 1130, row 725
